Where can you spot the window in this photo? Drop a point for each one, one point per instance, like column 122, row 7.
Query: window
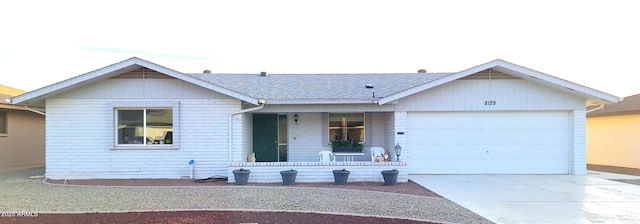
column 144, row 126
column 3, row 123
column 346, row 127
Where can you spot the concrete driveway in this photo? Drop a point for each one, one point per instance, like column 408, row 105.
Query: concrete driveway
column 541, row 198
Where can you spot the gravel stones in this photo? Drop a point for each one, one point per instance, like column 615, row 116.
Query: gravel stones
column 19, row 193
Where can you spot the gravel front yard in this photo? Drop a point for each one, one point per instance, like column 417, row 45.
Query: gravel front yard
column 20, row 194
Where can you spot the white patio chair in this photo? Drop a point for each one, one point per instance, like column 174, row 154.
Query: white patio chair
column 375, row 152
column 327, row 156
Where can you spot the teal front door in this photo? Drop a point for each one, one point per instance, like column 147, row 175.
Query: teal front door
column 270, row 137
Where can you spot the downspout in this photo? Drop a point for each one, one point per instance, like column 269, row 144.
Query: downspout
column 35, row 111
column 597, row 108
column 261, row 105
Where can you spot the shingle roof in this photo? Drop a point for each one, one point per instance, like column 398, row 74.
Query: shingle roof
column 630, row 105
column 320, row 86
column 313, row 88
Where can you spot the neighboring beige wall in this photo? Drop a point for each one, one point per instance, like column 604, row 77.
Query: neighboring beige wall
column 614, row 141
column 24, row 145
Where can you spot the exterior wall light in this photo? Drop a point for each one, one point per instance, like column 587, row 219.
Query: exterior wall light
column 398, row 149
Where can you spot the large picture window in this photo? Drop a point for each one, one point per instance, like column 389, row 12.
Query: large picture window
column 144, row 126
column 346, row 127
column 3, row 123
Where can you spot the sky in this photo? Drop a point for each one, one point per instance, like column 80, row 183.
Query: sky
column 592, row 43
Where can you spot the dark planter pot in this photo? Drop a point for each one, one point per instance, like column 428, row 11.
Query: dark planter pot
column 347, row 149
column 390, row 177
column 241, row 176
column 288, row 177
column 341, row 176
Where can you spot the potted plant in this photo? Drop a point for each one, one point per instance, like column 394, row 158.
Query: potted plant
column 340, row 176
column 390, row 177
column 288, row 176
column 241, row 176
column 346, row 146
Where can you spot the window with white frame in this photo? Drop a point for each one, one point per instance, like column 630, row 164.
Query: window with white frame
column 3, row 123
column 145, row 126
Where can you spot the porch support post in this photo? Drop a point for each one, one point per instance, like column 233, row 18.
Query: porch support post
column 262, row 103
column 400, row 129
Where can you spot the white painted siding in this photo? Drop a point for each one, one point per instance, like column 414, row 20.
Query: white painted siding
column 578, row 126
column 242, row 137
column 400, row 125
column 390, row 134
column 80, row 133
column 377, row 128
column 306, row 138
column 510, row 94
column 141, row 89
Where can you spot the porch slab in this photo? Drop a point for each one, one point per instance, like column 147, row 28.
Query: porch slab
column 310, row 172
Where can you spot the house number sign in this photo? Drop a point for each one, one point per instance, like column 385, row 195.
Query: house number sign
column 489, row 102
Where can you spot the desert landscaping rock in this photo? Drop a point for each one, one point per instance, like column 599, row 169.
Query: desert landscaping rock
column 19, row 193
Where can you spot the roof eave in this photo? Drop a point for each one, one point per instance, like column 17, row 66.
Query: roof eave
column 289, row 101
column 549, row 80
column 18, row 107
column 72, row 82
column 616, row 113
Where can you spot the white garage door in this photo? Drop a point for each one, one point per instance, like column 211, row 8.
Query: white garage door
column 488, row 143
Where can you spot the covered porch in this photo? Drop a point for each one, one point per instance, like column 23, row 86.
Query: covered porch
column 299, row 136
column 293, row 140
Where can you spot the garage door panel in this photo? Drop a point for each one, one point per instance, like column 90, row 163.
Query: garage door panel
column 516, row 166
column 488, row 142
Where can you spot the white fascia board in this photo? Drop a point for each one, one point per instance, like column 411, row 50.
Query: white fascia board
column 56, row 87
column 318, row 101
column 552, row 81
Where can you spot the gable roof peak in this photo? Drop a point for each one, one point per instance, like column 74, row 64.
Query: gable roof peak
column 516, row 71
column 118, row 68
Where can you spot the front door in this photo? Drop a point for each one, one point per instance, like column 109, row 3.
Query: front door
column 270, row 137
